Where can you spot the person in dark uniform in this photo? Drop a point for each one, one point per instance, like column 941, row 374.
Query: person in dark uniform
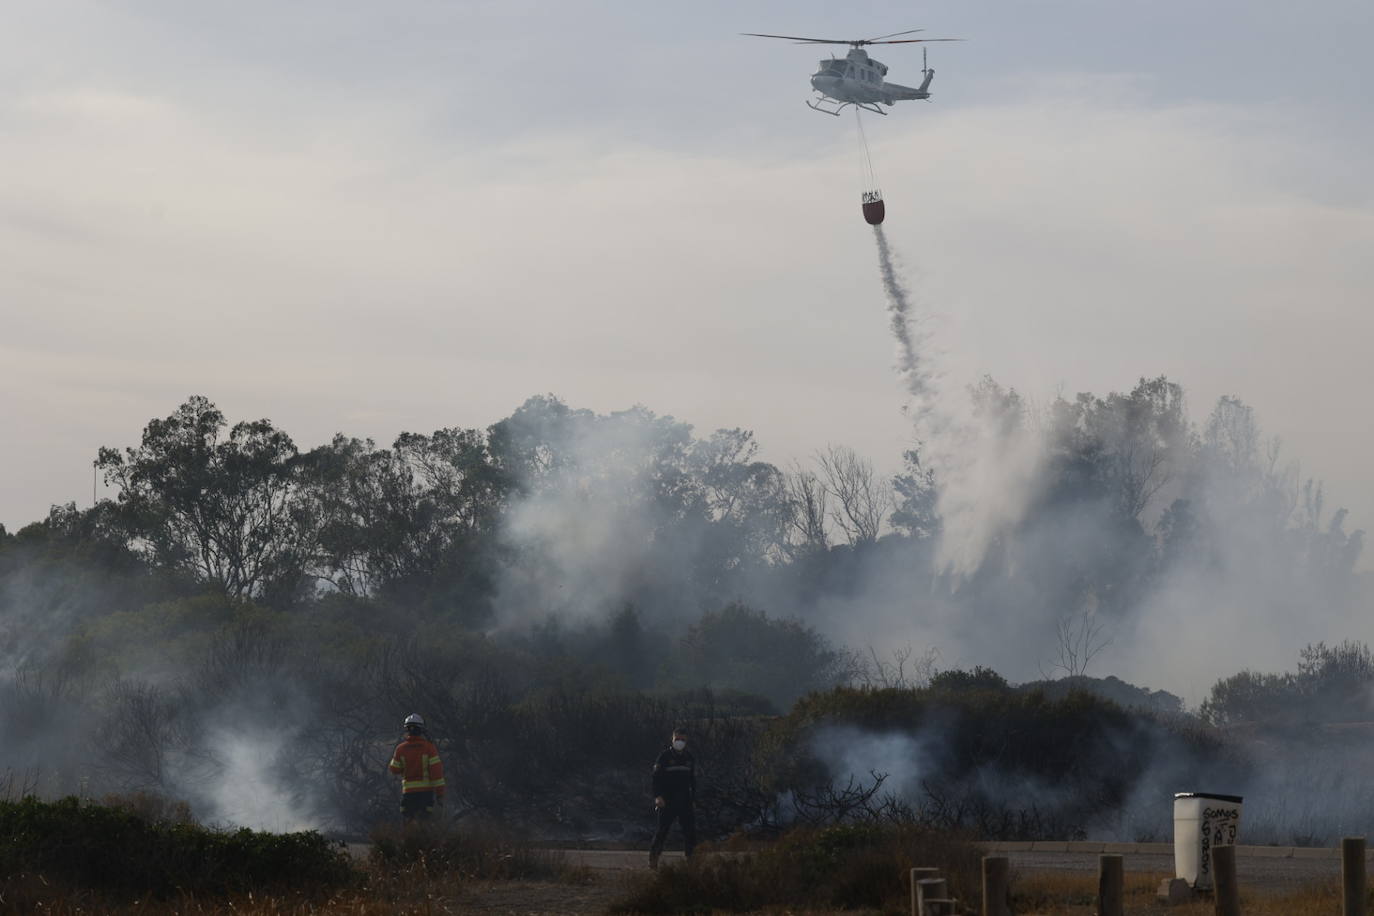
column 675, row 789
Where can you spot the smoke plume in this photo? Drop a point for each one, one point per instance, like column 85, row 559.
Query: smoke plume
column 984, row 466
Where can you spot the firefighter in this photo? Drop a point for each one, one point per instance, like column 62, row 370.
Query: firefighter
column 416, row 761
column 675, row 789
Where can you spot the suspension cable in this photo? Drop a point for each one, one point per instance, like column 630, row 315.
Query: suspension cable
column 870, row 176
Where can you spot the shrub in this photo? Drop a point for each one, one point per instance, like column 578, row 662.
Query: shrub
column 1008, row 764
column 150, row 807
column 744, row 650
column 87, row 846
column 979, row 678
column 846, row 867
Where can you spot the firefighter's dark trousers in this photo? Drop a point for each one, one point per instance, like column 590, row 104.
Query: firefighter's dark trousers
column 680, row 810
column 417, row 806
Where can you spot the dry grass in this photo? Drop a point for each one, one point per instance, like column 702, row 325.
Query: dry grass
column 1067, row 894
column 412, row 889
column 855, row 867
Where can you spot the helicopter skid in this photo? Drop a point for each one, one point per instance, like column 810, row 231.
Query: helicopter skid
column 836, row 107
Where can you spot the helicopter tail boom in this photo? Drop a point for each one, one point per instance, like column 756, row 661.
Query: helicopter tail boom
column 903, row 93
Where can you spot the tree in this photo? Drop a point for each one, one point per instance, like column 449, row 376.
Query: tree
column 1146, row 434
column 862, row 500
column 1124, row 448
column 1335, row 681
column 456, row 471
column 1332, row 684
column 534, row 441
column 1249, row 698
column 399, row 520
column 1079, row 638
column 369, row 529
column 745, row 501
column 628, row 648
column 916, row 511
column 224, row 509
column 738, row 648
column 808, row 520
column 897, row 671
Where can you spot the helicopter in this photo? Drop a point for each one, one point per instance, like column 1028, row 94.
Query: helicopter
column 858, row 79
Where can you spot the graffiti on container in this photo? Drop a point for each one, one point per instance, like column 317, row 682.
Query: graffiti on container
column 1224, row 823
column 1218, row 828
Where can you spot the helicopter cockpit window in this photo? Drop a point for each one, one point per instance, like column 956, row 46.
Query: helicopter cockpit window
column 833, row 67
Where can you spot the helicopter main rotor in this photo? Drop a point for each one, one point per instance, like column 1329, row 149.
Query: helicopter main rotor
column 854, row 42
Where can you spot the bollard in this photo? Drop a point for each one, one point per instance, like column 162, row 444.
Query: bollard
column 996, row 886
column 1353, row 875
column 1224, row 881
column 1111, row 886
column 929, row 890
column 917, row 874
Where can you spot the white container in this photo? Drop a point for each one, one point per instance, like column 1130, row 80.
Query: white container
column 1202, row 821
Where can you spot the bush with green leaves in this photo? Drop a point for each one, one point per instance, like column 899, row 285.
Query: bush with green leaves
column 86, row 846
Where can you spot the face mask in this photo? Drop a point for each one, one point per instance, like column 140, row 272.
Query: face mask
column 679, row 744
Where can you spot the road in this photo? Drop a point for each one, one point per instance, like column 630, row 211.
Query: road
column 1267, row 867
column 1262, row 867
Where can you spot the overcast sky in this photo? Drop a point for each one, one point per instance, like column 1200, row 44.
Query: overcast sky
column 375, row 217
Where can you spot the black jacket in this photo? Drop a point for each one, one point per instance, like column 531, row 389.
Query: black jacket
column 675, row 776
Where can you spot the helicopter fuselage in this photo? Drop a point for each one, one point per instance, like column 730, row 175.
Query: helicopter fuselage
column 857, row 79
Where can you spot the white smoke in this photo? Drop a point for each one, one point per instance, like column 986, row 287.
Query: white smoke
column 259, row 780
column 985, row 467
column 860, row 755
column 583, row 535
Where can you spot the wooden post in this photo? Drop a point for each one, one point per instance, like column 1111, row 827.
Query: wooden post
column 917, row 874
column 1111, row 886
column 1224, row 881
column 1353, row 875
column 996, row 886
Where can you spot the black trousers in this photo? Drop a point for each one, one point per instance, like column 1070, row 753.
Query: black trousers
column 680, row 810
column 417, row 806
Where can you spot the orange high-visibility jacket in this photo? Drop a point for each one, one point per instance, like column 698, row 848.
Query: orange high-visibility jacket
column 416, row 761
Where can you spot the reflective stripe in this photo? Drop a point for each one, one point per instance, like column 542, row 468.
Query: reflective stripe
column 678, row 769
column 426, row 762
column 417, row 763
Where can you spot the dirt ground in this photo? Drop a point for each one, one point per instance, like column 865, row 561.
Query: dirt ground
column 538, row 898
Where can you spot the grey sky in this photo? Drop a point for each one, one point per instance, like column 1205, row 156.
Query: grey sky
column 370, row 218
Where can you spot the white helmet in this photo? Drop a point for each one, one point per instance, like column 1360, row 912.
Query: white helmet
column 414, row 721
